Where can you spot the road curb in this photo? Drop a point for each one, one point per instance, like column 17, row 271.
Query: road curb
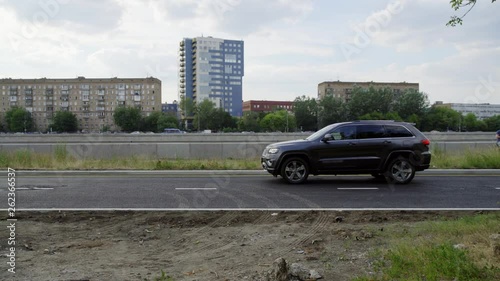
column 184, row 173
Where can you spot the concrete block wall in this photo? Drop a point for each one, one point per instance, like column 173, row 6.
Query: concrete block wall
column 196, row 146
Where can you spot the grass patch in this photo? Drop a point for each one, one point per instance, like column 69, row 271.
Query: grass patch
column 488, row 158
column 60, row 159
column 426, row 251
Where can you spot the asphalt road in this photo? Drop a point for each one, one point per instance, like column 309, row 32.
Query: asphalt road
column 131, row 190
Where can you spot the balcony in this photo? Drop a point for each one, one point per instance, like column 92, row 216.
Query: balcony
column 181, row 43
column 182, row 69
column 13, row 92
column 28, row 92
column 100, row 108
column 183, row 91
column 86, row 108
column 182, row 58
column 85, row 98
column 182, row 75
column 182, row 64
column 101, row 92
column 49, row 92
column 182, row 86
column 64, row 92
column 49, row 108
column 65, row 104
column 121, row 103
column 29, row 103
column 137, row 98
column 13, row 103
column 182, row 80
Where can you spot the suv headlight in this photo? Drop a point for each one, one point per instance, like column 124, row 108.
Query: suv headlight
column 273, row 150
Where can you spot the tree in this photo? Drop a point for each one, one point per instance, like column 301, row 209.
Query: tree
column 365, row 101
column 249, row 122
column 203, row 114
column 456, row 5
column 281, row 120
column 188, row 108
column 220, row 119
column 470, row 123
column 128, row 118
column 442, row 119
column 331, row 110
column 411, row 102
column 65, row 121
column 150, row 123
column 380, row 116
column 306, row 113
column 167, row 121
column 492, row 123
column 18, row 120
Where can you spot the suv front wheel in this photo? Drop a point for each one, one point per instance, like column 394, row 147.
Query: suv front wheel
column 400, row 171
column 295, row 170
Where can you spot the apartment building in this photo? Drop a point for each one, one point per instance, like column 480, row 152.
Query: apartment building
column 266, row 105
column 343, row 90
column 93, row 100
column 212, row 68
column 481, row 110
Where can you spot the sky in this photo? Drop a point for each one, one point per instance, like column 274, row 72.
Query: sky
column 290, row 45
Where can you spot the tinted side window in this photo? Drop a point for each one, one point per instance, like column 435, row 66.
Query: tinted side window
column 394, row 131
column 370, row 132
column 344, row 133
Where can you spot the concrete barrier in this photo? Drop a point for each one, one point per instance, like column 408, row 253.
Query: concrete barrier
column 197, row 146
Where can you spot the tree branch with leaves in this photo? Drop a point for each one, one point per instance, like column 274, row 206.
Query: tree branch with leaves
column 459, row 4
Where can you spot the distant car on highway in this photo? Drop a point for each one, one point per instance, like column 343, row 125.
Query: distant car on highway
column 173, row 131
column 384, row 149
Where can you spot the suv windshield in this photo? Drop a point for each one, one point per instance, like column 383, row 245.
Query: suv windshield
column 321, row 133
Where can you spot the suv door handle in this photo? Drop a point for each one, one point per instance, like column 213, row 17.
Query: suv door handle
column 387, row 141
column 352, row 143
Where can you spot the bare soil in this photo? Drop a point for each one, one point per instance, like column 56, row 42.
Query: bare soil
column 202, row 246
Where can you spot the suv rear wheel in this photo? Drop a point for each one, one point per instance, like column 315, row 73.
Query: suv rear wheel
column 295, row 170
column 400, row 171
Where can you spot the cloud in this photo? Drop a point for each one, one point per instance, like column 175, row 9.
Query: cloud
column 79, row 15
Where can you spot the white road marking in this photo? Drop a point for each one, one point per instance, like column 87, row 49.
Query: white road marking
column 22, row 188
column 195, row 188
column 497, row 188
column 357, row 188
column 42, row 188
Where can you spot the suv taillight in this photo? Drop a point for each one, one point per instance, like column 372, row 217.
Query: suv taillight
column 426, row 142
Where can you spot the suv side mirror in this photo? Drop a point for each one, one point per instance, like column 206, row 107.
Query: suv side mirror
column 327, row 137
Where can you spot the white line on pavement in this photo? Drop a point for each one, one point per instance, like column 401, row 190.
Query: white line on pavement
column 195, row 188
column 357, row 188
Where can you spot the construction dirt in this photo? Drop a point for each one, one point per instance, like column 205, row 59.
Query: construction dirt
column 201, row 246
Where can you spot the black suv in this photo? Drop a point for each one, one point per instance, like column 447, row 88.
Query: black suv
column 384, row 149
